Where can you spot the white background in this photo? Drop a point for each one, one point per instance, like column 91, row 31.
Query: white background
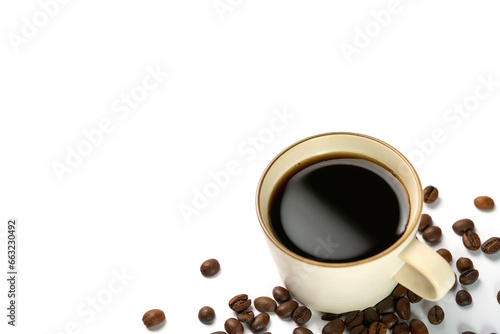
column 118, row 209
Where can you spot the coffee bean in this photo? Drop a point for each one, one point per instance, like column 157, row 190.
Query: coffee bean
column 285, row 310
column 430, row 194
column 361, row 329
column 471, row 240
column 403, row 308
column 240, row 303
column 401, row 328
column 353, row 319
column 370, row 315
column 245, row 316
column 491, row 246
column 484, row 203
column 445, row 254
column 386, row 306
column 301, row 315
column 418, row 327
column 435, row 315
column 329, row 316
column 260, row 322
column 233, row 326
column 468, row 332
column 432, row 234
column 334, row 327
column 425, row 222
column 413, row 297
column 206, row 314
column 210, row 267
column 302, row 330
column 390, row 320
column 219, row 332
column 468, row 277
column 498, row 297
column 463, row 225
column 153, row 317
column 464, row 263
column 377, row 328
column 463, row 298
column 399, row 292
column 280, row 294
column 265, row 304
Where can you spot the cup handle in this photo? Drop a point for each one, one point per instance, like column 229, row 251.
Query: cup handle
column 425, row 272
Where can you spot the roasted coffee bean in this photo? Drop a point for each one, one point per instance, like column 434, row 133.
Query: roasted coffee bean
column 302, row 330
column 206, row 314
column 468, row 332
column 435, row 315
column 285, row 310
column 399, row 291
column 240, row 303
column 353, row 319
column 445, row 254
column 280, row 294
column 301, row 315
column 153, row 317
column 260, row 322
column 463, row 225
column 425, row 222
column 386, row 306
column 233, row 326
column 370, row 315
column 432, row 234
column 413, row 297
column 361, row 329
column 463, row 298
column 264, row 304
column 401, row 328
column 403, row 308
column 471, row 240
column 418, row 327
column 464, row 263
column 219, row 332
column 210, row 267
column 484, row 203
column 377, row 328
column 334, row 327
column 430, row 194
column 498, row 297
column 390, row 320
column 329, row 316
column 491, row 246
column 468, row 277
column 245, row 316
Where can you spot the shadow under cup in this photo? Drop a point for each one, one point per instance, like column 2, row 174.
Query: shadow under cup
column 339, row 286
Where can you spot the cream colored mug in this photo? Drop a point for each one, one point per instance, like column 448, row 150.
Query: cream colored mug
column 343, row 287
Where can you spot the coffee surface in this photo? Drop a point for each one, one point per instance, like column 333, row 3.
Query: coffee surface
column 339, row 210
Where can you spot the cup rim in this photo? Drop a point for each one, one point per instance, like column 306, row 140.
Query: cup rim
column 406, row 235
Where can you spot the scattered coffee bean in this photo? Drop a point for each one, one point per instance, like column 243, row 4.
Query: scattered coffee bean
column 260, row 322
column 418, row 327
column 430, row 194
column 386, row 306
column 334, row 327
column 432, row 234
column 301, row 315
column 463, row 298
column 377, row 328
column 468, row 332
column 285, row 310
column 401, row 328
column 233, row 326
column 471, row 240
column 468, row 277
column 210, row 267
column 445, row 254
column 413, row 297
column 219, row 332
column 399, row 291
column 484, row 203
column 498, row 297
column 245, row 316
column 390, row 320
column 361, row 329
column 491, row 246
column 370, row 315
column 240, row 303
column 353, row 319
column 206, row 314
column 153, row 317
column 280, row 294
column 425, row 222
column 464, row 263
column 329, row 316
column 403, row 308
column 463, row 225
column 302, row 330
column 265, row 304
column 435, row 315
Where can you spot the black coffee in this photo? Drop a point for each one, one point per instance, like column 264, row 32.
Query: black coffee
column 339, row 210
